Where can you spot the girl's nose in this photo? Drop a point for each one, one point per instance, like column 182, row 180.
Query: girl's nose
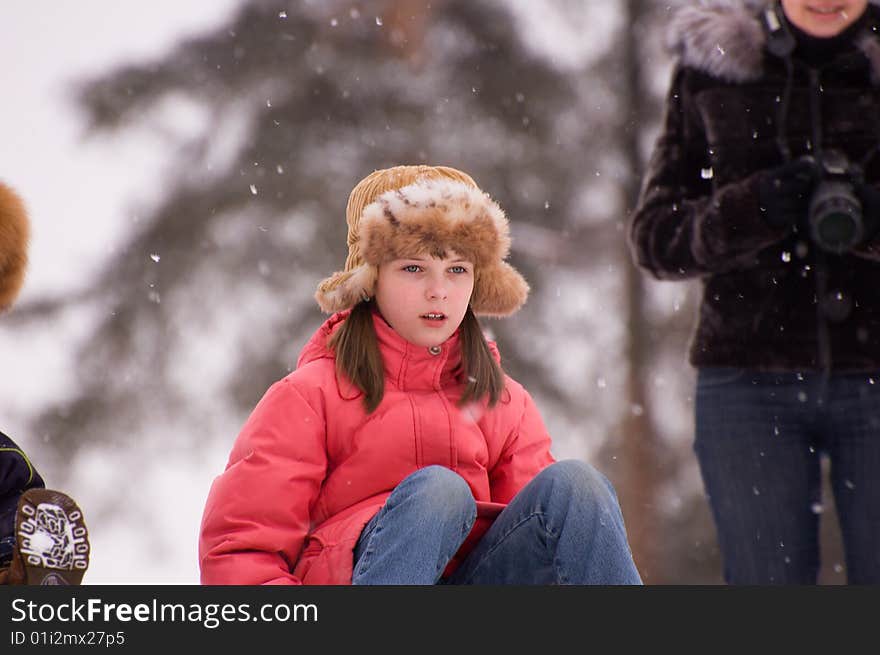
column 436, row 290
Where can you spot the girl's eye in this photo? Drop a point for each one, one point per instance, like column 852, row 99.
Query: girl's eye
column 412, row 268
column 458, row 270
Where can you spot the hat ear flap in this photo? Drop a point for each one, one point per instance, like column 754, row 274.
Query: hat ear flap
column 498, row 290
column 345, row 289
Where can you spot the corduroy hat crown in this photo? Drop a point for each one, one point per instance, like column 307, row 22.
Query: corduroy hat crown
column 407, row 211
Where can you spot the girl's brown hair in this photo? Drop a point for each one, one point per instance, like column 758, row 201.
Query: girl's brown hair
column 358, row 358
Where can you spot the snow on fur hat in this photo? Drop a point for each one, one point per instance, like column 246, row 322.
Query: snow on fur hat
column 404, row 211
column 13, row 245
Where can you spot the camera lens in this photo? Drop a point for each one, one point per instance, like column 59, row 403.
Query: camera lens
column 835, row 217
column 837, row 228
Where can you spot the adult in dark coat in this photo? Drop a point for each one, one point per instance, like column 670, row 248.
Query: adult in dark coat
column 765, row 184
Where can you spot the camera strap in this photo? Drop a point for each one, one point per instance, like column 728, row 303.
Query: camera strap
column 780, row 40
column 781, row 43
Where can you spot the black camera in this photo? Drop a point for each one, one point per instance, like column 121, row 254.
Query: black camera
column 835, row 213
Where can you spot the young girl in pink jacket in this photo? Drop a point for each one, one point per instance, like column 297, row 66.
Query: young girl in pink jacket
column 398, row 451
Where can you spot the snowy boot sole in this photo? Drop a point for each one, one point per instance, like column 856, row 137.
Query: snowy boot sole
column 53, row 541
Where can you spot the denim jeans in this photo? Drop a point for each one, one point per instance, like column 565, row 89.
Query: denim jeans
column 564, row 527
column 759, row 438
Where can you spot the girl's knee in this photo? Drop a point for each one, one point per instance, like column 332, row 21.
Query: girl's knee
column 580, row 481
column 442, row 490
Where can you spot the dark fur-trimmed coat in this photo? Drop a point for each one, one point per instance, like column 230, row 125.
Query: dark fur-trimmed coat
column 699, row 216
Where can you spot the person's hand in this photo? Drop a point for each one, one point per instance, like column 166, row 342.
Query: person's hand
column 784, row 192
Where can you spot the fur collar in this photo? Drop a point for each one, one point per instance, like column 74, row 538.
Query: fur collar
column 725, row 38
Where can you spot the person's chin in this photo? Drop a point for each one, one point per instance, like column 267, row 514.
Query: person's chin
column 429, row 340
column 824, row 31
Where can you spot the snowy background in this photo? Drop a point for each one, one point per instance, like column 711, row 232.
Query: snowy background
column 79, row 192
column 186, row 167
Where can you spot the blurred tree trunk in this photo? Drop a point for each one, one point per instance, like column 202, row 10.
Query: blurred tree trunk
column 406, row 23
column 640, row 468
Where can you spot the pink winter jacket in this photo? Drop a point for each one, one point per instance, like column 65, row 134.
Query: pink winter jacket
column 310, row 467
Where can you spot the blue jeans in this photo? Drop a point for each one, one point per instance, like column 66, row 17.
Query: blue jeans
column 759, row 438
column 564, row 527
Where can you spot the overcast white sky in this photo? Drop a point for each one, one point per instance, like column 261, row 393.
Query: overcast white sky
column 75, row 190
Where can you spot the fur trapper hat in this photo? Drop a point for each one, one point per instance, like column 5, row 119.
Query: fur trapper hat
column 13, row 245
column 405, row 211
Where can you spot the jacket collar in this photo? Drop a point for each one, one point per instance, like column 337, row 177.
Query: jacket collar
column 415, row 368
column 726, row 38
column 407, row 367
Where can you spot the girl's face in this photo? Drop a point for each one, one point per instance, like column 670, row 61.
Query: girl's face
column 824, row 18
column 424, row 298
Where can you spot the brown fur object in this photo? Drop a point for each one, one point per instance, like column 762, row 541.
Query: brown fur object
column 432, row 215
column 13, row 245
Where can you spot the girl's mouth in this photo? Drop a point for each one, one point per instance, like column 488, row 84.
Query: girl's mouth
column 434, row 317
